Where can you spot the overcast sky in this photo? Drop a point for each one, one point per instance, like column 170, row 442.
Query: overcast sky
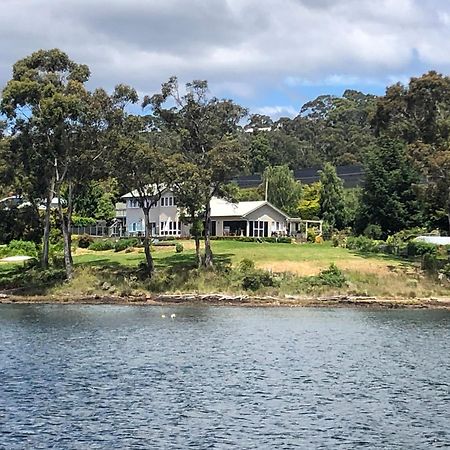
column 271, row 56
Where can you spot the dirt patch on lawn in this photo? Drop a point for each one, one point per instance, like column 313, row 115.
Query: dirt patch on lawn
column 308, row 268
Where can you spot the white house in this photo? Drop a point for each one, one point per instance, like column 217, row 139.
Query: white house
column 255, row 218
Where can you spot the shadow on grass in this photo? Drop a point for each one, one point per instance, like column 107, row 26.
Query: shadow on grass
column 23, row 280
column 185, row 261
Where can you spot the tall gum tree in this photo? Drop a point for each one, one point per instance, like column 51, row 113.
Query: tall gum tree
column 45, row 99
column 208, row 136
column 141, row 168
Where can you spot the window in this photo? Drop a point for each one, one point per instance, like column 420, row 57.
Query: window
column 167, row 201
column 170, row 228
column 257, row 228
column 133, row 203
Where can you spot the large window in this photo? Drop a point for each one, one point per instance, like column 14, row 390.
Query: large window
column 169, row 228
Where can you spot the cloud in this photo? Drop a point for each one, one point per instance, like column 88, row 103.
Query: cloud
column 245, row 48
column 276, row 111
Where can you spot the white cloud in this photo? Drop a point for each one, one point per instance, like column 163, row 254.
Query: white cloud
column 276, row 111
column 244, row 47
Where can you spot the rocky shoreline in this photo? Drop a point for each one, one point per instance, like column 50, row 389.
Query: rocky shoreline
column 228, row 300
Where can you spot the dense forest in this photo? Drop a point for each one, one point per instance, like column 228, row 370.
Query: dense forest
column 84, row 148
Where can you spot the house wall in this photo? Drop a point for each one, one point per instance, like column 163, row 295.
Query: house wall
column 164, row 215
column 276, row 221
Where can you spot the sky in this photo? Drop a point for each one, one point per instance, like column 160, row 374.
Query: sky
column 271, row 56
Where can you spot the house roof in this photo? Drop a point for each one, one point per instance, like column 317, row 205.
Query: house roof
column 150, row 191
column 224, row 208
column 436, row 240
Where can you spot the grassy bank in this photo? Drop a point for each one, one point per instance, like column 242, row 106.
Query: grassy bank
column 279, row 270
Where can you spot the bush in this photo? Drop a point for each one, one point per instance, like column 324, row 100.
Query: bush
column 258, row 279
column 102, row 245
column 20, row 248
column 165, row 244
column 179, row 247
column 124, row 244
column 246, row 265
column 373, row 231
column 78, row 221
column 446, row 271
column 332, row 276
column 84, row 241
column 271, row 240
column 418, row 248
column 430, row 263
column 311, row 236
column 364, row 244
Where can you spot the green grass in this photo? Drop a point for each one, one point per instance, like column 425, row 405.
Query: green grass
column 234, row 252
column 378, row 275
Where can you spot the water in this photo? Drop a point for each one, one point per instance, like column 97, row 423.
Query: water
column 106, row 377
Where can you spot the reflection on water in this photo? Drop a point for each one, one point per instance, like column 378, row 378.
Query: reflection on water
column 107, row 377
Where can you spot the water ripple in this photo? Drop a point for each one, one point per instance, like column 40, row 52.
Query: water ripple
column 103, row 377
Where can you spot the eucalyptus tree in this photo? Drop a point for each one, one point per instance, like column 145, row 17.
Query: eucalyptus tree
column 281, row 188
column 138, row 161
column 332, row 197
column 207, row 134
column 45, row 101
column 191, row 194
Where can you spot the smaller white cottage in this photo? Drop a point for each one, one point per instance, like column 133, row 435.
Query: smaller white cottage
column 254, row 219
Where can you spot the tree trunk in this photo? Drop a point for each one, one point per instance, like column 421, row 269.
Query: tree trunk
column 46, row 236
column 448, row 209
column 197, row 251
column 148, row 253
column 69, row 218
column 208, row 262
column 68, row 264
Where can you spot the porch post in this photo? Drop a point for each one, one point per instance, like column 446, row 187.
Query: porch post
column 306, row 230
column 248, row 229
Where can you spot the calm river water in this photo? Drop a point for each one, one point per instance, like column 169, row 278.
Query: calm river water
column 107, row 377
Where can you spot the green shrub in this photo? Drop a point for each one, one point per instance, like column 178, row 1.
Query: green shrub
column 311, row 236
column 430, row 263
column 271, row 240
column 84, row 241
column 179, row 247
column 102, row 245
column 363, row 244
column 332, row 276
column 418, row 248
column 21, row 248
column 246, row 265
column 446, row 270
column 258, row 279
column 373, row 231
column 78, row 221
column 165, row 244
column 123, row 244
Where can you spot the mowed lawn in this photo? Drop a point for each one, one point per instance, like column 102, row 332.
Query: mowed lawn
column 302, row 259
